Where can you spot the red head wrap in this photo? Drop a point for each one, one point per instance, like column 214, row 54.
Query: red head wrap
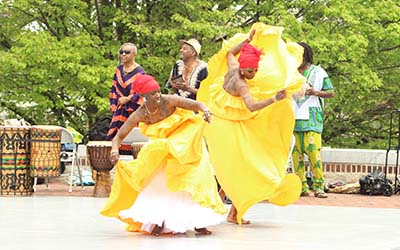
column 145, row 84
column 249, row 56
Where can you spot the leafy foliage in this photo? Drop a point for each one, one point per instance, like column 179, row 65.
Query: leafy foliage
column 57, row 57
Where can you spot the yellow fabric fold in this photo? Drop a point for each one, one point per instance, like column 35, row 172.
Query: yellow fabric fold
column 230, row 107
column 177, row 145
column 249, row 150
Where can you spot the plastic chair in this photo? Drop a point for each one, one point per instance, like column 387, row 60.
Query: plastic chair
column 81, row 155
column 67, row 137
column 290, row 167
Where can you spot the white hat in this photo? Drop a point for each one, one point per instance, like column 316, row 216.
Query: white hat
column 194, row 43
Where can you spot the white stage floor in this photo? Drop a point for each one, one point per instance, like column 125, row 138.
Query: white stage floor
column 57, row 223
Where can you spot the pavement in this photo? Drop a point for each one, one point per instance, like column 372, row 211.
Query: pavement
column 52, row 218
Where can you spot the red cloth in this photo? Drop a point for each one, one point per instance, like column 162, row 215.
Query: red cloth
column 249, row 56
column 145, row 84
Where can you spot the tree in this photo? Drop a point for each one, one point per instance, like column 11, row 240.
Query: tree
column 359, row 47
column 53, row 69
column 57, row 57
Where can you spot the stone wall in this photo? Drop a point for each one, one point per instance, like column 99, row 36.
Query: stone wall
column 349, row 165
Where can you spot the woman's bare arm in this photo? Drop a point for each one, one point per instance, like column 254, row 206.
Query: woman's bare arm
column 187, row 103
column 190, row 104
column 320, row 93
column 230, row 56
column 129, row 124
column 253, row 105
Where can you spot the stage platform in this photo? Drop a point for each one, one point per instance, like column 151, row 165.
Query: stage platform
column 74, row 223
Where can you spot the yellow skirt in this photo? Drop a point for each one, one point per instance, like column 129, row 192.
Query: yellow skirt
column 250, row 150
column 177, row 149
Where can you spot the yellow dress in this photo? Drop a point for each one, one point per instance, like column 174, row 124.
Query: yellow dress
column 176, row 150
column 250, row 150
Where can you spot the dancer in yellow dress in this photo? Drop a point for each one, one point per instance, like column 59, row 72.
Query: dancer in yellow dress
column 255, row 113
column 170, row 187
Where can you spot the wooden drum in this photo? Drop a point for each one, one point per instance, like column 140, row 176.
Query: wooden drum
column 99, row 158
column 45, row 151
column 136, row 147
column 15, row 177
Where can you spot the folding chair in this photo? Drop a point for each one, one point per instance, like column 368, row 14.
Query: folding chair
column 66, row 137
column 81, row 155
column 290, row 167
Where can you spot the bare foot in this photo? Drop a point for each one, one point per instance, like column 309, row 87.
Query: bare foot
column 202, row 231
column 232, row 217
column 234, row 220
column 156, row 230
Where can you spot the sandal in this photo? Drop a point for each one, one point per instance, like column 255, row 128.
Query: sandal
column 202, row 231
column 320, row 194
column 156, row 230
column 305, row 194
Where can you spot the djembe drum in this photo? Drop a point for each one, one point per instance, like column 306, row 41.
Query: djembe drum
column 45, row 151
column 99, row 158
column 15, row 177
column 136, row 147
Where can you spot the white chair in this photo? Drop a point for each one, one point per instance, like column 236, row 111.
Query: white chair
column 81, row 155
column 290, row 168
column 66, row 137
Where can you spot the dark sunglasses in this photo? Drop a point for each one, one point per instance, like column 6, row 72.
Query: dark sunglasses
column 124, row 51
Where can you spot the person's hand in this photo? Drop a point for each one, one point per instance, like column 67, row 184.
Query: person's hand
column 181, row 85
column 178, row 84
column 207, row 116
column 301, row 92
column 123, row 100
column 114, row 157
column 310, row 91
column 281, row 94
column 173, row 86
